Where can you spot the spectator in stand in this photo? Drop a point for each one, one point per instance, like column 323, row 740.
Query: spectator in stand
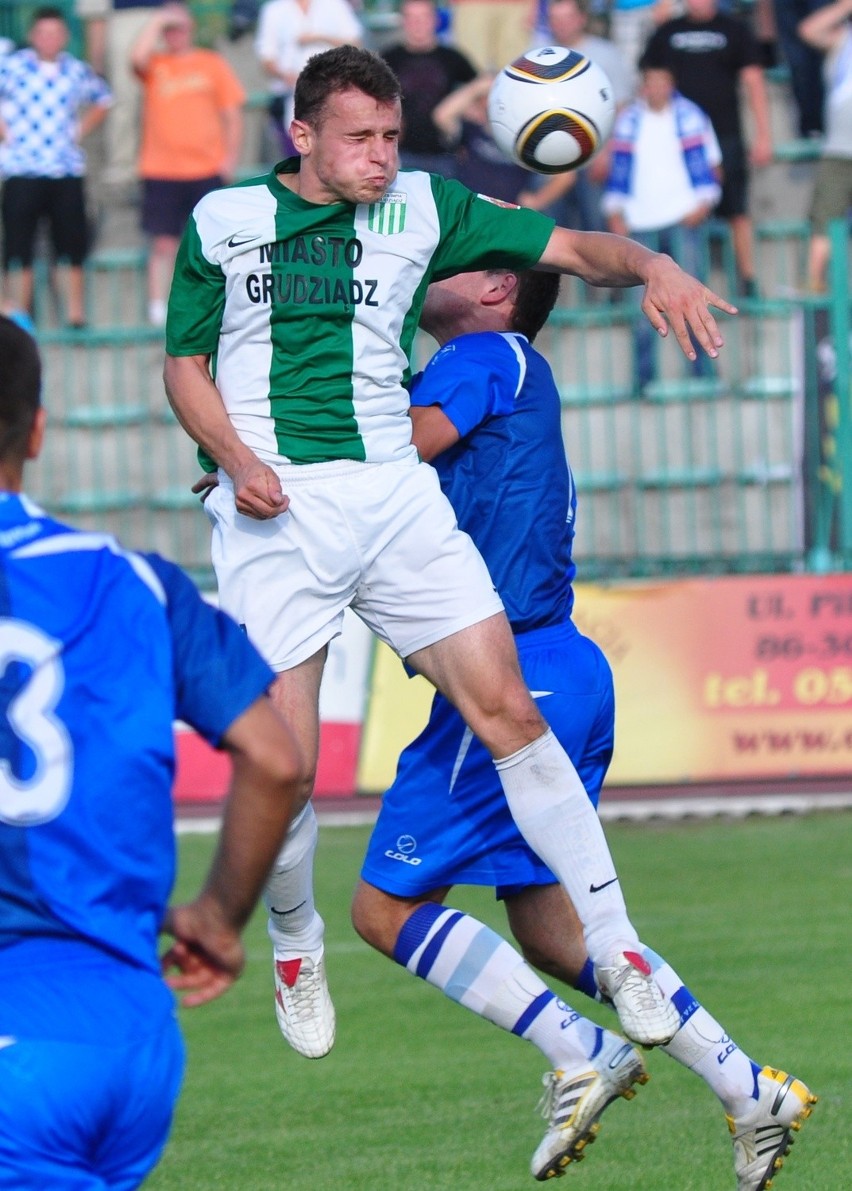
column 112, row 27
column 631, row 23
column 574, row 199
column 711, row 54
column 804, row 61
column 428, row 72
column 463, row 119
column 663, row 183
column 49, row 102
column 568, row 25
column 192, row 136
column 288, row 33
column 830, row 33
column 491, row 33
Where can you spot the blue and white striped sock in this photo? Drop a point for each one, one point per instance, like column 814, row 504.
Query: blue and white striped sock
column 474, row 966
column 703, row 1046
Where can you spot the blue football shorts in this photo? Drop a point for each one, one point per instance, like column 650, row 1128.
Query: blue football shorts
column 445, row 820
column 91, row 1063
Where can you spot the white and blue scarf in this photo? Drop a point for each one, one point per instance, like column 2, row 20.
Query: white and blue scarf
column 691, row 124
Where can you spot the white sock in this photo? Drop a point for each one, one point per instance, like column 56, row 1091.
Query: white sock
column 473, row 965
column 553, row 813
column 703, row 1046
column 294, row 925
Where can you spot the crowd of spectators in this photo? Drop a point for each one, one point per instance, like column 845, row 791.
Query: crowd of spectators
column 174, row 126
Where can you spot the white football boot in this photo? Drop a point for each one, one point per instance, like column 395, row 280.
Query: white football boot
column 763, row 1136
column 303, row 1004
column 575, row 1099
column 646, row 1015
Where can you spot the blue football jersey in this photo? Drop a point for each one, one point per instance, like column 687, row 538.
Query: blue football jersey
column 101, row 649
column 507, row 478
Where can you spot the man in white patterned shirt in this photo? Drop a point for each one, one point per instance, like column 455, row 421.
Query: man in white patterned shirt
column 49, row 101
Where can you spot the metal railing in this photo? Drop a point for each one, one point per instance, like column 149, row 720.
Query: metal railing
column 746, row 470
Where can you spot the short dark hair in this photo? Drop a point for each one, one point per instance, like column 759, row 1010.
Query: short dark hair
column 645, row 64
column 582, row 5
column 48, row 12
column 653, row 60
column 20, row 388
column 338, row 70
column 535, row 297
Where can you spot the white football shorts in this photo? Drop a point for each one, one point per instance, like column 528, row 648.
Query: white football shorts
column 380, row 538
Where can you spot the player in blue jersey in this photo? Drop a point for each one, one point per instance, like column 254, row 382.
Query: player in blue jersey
column 487, row 411
column 100, row 650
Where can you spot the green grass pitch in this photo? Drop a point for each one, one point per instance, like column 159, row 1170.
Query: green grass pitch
column 421, row 1095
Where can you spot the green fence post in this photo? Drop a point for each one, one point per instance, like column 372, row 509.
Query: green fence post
column 840, row 329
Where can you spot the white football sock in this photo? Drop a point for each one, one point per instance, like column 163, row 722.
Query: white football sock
column 473, row 965
column 553, row 813
column 703, row 1046
column 294, row 925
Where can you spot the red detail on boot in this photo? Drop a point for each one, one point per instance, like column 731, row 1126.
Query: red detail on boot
column 639, row 962
column 288, row 970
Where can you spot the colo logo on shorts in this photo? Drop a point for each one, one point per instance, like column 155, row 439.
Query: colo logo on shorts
column 405, row 845
column 387, row 216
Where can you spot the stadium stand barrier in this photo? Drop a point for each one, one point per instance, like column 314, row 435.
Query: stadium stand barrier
column 747, row 471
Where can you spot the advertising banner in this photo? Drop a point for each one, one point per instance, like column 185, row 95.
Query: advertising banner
column 203, row 773
column 717, row 679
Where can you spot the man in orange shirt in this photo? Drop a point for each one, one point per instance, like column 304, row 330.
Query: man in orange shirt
column 192, row 129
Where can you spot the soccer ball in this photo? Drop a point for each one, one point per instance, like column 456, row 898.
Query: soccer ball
column 551, row 110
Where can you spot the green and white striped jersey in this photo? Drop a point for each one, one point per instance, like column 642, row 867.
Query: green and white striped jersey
column 309, row 311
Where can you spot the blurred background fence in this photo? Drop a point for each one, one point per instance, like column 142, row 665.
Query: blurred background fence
column 748, row 470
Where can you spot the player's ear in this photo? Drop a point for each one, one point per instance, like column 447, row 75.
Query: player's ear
column 510, row 283
column 36, row 435
column 501, row 285
column 300, row 135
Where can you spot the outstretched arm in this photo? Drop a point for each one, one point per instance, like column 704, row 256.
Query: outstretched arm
column 207, row 951
column 672, row 298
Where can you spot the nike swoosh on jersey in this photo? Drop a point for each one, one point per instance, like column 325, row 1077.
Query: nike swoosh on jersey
column 598, row 888
column 232, row 243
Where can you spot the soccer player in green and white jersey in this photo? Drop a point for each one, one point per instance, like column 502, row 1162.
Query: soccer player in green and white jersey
column 292, row 312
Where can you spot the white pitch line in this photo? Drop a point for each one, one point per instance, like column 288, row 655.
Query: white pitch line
column 636, row 810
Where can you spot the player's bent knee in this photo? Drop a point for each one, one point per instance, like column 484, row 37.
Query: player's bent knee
column 509, row 723
column 378, row 917
column 367, row 913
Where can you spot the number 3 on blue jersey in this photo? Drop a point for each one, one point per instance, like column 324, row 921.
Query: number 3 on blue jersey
column 30, row 714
